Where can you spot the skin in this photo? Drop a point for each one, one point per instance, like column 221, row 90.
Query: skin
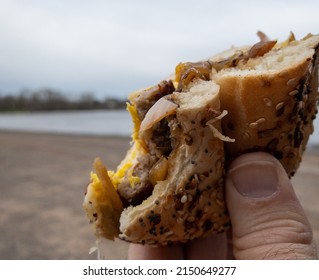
column 267, row 219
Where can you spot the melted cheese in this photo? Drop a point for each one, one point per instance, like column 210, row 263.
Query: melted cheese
column 125, row 167
column 136, row 121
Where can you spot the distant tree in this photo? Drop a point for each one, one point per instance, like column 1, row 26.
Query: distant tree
column 8, row 103
column 87, row 101
column 113, row 103
column 50, row 99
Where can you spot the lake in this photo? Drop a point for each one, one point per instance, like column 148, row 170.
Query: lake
column 97, row 122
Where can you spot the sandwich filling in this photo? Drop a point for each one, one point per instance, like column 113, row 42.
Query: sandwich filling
column 156, row 124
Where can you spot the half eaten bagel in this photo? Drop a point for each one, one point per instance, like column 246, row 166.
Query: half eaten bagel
column 169, row 187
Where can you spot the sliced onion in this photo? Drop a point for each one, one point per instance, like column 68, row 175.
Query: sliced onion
column 161, row 109
column 219, row 117
column 228, row 62
column 215, row 131
column 262, row 36
column 219, row 135
column 260, row 48
column 159, row 171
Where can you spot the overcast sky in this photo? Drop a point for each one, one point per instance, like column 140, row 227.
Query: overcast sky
column 112, row 48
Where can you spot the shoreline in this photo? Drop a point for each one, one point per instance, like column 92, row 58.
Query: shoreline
column 43, row 180
column 63, row 134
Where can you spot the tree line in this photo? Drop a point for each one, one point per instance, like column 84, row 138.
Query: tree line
column 49, row 100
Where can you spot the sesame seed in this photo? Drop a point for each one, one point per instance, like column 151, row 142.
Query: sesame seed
column 221, row 228
column 196, row 177
column 261, row 120
column 279, row 105
column 179, row 220
column 184, row 198
column 169, row 233
column 301, row 105
column 267, row 101
column 253, row 125
column 219, row 164
column 280, row 109
column 291, row 82
column 246, row 134
column 310, row 68
column 293, row 93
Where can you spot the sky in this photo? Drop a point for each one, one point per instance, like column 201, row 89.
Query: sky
column 112, row 48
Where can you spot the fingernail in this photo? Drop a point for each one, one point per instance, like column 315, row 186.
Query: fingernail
column 255, row 179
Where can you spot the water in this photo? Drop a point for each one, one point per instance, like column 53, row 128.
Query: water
column 101, row 122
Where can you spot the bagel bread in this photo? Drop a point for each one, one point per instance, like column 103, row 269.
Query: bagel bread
column 276, row 94
column 169, row 187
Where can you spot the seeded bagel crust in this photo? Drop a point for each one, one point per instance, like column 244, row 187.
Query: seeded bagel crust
column 247, row 99
column 271, row 102
column 190, row 202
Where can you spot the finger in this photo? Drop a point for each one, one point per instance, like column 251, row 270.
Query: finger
column 209, row 248
column 146, row 252
column 267, row 218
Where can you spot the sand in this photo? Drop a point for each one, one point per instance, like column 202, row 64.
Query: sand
column 43, row 179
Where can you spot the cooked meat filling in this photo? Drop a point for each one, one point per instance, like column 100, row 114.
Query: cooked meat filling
column 159, row 145
column 134, row 196
column 158, row 139
column 188, row 71
column 160, row 142
column 147, row 98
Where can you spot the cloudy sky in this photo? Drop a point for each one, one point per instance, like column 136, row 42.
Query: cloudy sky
column 114, row 47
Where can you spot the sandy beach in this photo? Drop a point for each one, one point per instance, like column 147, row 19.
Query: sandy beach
column 43, row 179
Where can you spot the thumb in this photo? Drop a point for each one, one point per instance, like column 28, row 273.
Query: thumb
column 267, row 219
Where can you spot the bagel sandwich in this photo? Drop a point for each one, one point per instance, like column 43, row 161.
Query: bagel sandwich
column 169, row 186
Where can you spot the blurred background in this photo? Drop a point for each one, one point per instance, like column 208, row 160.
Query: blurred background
column 66, row 68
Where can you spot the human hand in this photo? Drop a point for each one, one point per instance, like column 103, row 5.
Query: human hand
column 267, row 219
